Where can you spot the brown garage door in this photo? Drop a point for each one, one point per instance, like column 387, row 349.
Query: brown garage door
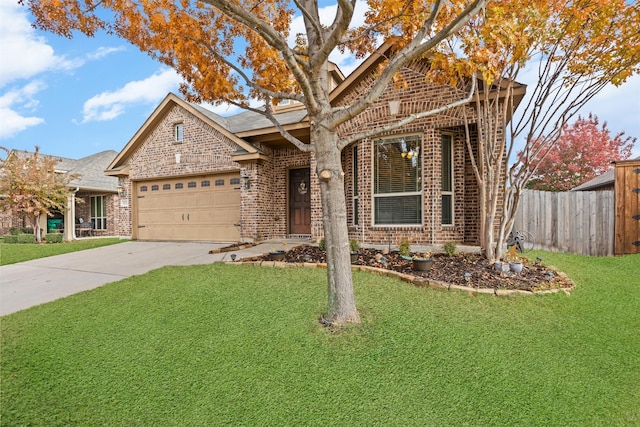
column 205, row 208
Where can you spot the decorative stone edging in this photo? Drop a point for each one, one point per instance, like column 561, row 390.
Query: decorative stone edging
column 420, row 281
column 232, row 248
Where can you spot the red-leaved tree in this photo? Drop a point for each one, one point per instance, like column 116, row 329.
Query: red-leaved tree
column 584, row 151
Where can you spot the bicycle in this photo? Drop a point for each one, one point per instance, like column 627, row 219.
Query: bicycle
column 522, row 240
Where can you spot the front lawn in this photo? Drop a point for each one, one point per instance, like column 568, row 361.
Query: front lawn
column 12, row 253
column 240, row 345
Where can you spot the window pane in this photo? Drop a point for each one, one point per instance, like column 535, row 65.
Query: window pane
column 447, row 176
column 447, row 209
column 398, row 165
column 179, row 132
column 398, row 210
column 191, row 184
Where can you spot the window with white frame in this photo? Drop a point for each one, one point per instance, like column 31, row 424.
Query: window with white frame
column 446, row 189
column 178, row 132
column 397, row 191
column 98, row 212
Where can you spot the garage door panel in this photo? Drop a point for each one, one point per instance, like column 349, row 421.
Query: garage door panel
column 179, row 212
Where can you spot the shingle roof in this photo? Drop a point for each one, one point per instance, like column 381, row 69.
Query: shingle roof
column 604, row 180
column 251, row 120
column 90, row 170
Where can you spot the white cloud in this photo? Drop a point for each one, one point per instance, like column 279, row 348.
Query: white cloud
column 109, row 105
column 104, row 51
column 29, row 53
column 11, row 120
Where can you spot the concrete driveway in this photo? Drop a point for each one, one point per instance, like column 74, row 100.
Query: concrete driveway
column 35, row 282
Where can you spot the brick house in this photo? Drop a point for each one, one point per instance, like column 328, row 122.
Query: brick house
column 92, row 198
column 190, row 174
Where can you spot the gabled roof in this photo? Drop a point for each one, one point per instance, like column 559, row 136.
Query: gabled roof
column 119, row 166
column 90, row 170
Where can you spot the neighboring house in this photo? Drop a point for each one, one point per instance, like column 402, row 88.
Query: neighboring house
column 605, row 181
column 190, row 174
column 92, row 198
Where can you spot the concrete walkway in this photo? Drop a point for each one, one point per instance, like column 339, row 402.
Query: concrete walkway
column 39, row 281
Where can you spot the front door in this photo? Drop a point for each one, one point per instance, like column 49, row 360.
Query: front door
column 299, row 201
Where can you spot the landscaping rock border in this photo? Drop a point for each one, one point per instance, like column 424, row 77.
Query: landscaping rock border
column 421, row 281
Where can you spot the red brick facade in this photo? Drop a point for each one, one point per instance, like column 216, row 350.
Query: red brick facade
column 208, row 148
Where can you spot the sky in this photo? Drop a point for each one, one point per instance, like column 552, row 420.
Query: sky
column 76, row 97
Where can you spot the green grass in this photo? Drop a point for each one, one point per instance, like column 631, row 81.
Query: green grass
column 12, row 253
column 239, row 345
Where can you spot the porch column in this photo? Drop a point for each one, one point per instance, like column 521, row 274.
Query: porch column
column 69, row 217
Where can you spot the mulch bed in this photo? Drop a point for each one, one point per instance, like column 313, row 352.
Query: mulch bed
column 448, row 269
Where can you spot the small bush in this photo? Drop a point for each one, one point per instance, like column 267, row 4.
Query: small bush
column 14, row 231
column 26, row 238
column 26, row 230
column 450, row 248
column 54, row 237
column 12, row 238
column 354, row 246
column 404, row 247
column 322, row 245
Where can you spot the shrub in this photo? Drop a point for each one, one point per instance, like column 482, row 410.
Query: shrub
column 54, row 237
column 14, row 231
column 12, row 238
column 404, row 247
column 354, row 246
column 26, row 230
column 450, row 248
column 322, row 245
column 26, row 238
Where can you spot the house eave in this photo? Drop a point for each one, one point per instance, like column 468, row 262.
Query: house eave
column 249, row 156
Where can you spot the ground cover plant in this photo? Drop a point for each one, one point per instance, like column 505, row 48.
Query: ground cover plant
column 241, row 345
column 12, row 253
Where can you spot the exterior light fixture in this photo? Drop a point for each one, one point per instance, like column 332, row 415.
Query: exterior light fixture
column 246, row 183
column 467, row 277
column 120, row 189
column 549, row 276
column 394, row 107
column 233, row 257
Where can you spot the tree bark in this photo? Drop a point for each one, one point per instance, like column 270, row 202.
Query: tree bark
column 341, row 300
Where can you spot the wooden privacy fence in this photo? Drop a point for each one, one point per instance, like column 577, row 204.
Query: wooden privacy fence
column 580, row 222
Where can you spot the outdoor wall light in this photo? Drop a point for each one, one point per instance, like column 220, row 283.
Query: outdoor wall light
column 394, row 106
column 120, row 189
column 246, row 183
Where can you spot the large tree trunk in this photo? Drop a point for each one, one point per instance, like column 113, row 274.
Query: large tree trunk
column 342, row 306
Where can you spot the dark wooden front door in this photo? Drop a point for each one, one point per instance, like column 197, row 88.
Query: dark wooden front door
column 299, row 201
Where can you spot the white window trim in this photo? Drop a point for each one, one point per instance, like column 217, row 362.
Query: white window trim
column 94, row 219
column 178, row 137
column 453, row 184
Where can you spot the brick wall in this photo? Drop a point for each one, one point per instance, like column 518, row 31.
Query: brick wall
column 420, row 96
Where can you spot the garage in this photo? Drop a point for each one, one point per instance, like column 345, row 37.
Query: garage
column 194, row 208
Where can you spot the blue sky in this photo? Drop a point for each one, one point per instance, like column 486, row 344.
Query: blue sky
column 77, row 97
